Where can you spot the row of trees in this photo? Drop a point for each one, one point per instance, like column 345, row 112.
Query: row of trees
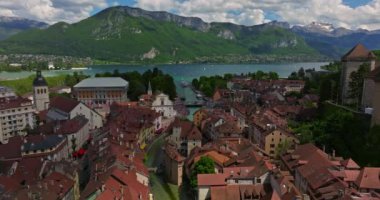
column 347, row 133
column 208, row 85
column 138, row 83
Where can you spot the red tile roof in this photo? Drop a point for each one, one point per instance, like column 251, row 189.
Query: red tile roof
column 59, row 183
column 351, row 175
column 11, row 150
column 64, row 104
column 229, row 192
column 123, row 184
column 173, row 154
column 359, row 52
column 72, row 126
column 9, row 103
column 188, row 130
column 9, row 184
column 369, row 178
column 350, row 164
column 316, row 168
column 212, row 179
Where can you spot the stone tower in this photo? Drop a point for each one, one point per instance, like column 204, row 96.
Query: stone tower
column 40, row 92
column 376, row 101
column 351, row 62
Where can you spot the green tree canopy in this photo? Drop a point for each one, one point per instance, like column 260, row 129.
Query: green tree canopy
column 205, row 165
column 357, row 82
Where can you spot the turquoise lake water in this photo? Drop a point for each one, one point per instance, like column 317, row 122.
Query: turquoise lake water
column 180, row 72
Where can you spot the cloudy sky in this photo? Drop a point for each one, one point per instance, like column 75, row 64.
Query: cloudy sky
column 341, row 13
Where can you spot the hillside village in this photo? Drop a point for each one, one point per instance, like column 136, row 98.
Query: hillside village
column 97, row 144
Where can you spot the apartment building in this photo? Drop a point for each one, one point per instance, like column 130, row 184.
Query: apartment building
column 16, row 115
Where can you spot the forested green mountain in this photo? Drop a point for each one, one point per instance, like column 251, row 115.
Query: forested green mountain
column 133, row 35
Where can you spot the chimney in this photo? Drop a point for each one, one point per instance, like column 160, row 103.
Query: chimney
column 121, row 191
column 324, row 148
column 103, row 188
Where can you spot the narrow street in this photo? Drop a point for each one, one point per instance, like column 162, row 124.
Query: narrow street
column 160, row 188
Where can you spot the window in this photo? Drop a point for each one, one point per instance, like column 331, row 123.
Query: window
column 271, row 145
column 162, row 101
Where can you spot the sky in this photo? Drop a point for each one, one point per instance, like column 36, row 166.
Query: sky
column 351, row 14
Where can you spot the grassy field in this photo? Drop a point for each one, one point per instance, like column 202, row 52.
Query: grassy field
column 23, row 86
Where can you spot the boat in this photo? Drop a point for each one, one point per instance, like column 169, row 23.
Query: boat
column 79, row 68
column 185, row 83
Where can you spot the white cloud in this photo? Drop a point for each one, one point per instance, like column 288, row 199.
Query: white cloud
column 51, row 11
column 247, row 12
column 251, row 12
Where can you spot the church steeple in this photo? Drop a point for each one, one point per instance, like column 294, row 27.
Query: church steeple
column 40, row 92
column 150, row 92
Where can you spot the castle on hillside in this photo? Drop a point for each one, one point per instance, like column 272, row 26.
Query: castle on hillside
column 351, row 62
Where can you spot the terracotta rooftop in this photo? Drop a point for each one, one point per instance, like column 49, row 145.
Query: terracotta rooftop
column 172, row 152
column 228, row 128
column 359, row 52
column 72, row 126
column 316, row 167
column 64, row 104
column 212, row 179
column 188, row 130
column 369, row 178
column 11, row 150
column 228, row 192
column 350, row 164
column 14, row 102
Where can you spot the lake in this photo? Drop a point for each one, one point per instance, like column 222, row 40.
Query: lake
column 185, row 72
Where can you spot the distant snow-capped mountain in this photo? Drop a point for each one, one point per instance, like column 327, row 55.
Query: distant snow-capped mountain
column 326, row 29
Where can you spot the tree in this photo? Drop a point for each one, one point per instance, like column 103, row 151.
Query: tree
column 293, row 76
column 273, row 76
column 205, row 165
column 357, row 82
column 195, row 83
column 301, row 73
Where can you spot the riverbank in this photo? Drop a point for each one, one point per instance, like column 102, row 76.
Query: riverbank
column 180, row 72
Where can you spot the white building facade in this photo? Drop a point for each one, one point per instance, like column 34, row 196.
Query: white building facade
column 40, row 93
column 16, row 115
column 162, row 104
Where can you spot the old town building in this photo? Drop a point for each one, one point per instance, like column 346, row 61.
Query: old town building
column 16, row 116
column 101, row 91
column 40, row 92
column 352, row 61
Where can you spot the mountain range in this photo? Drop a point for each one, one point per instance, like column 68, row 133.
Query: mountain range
column 12, row 25
column 132, row 35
